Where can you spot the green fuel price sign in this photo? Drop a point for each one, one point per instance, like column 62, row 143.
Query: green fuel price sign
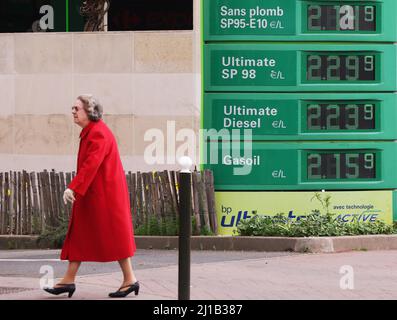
column 299, row 67
column 301, row 116
column 299, row 95
column 303, row 166
column 299, row 20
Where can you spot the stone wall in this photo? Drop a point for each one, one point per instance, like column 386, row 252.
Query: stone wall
column 143, row 79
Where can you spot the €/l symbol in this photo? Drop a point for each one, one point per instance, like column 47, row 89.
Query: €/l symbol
column 277, row 75
column 278, row 174
column 278, row 124
column 276, row 25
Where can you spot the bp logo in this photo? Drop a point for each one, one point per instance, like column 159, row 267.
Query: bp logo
column 230, row 221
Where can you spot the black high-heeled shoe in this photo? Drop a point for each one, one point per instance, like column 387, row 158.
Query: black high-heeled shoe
column 122, row 294
column 69, row 288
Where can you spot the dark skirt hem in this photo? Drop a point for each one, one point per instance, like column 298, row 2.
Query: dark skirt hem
column 96, row 260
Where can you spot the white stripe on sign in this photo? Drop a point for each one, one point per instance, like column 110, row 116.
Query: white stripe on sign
column 29, row 260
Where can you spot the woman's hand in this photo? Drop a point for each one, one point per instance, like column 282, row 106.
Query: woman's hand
column 68, row 195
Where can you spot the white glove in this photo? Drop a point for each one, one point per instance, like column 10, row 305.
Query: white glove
column 68, row 195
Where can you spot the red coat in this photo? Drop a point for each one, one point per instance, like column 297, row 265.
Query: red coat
column 100, row 227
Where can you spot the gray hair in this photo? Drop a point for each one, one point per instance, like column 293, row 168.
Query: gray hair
column 92, row 106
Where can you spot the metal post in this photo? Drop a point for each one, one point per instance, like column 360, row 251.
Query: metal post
column 185, row 208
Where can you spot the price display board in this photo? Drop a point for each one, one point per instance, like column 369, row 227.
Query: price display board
column 300, row 20
column 303, row 165
column 301, row 116
column 299, row 67
column 300, row 96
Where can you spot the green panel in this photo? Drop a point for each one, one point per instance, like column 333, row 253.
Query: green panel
column 302, row 166
column 299, row 67
column 249, row 18
column 270, row 116
column 299, row 20
column 233, row 207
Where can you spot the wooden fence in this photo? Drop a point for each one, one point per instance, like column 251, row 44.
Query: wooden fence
column 32, row 202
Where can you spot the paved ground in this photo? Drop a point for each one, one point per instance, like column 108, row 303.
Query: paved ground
column 216, row 275
column 22, row 263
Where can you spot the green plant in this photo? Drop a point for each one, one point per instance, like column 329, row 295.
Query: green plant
column 55, row 236
column 153, row 227
column 36, row 224
column 168, row 226
column 312, row 225
column 325, row 203
column 205, row 231
column 140, row 230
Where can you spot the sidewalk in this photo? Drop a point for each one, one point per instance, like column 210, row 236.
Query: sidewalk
column 309, row 276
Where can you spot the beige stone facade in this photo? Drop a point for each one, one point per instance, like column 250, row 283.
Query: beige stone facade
column 143, row 79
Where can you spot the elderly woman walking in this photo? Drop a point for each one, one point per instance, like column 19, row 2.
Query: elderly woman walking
column 100, row 228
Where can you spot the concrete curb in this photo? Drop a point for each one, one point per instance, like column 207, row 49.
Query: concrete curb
column 228, row 243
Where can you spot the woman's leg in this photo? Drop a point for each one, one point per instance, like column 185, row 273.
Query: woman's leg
column 70, row 274
column 128, row 273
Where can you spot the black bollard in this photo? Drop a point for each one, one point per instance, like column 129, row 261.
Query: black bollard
column 185, row 226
